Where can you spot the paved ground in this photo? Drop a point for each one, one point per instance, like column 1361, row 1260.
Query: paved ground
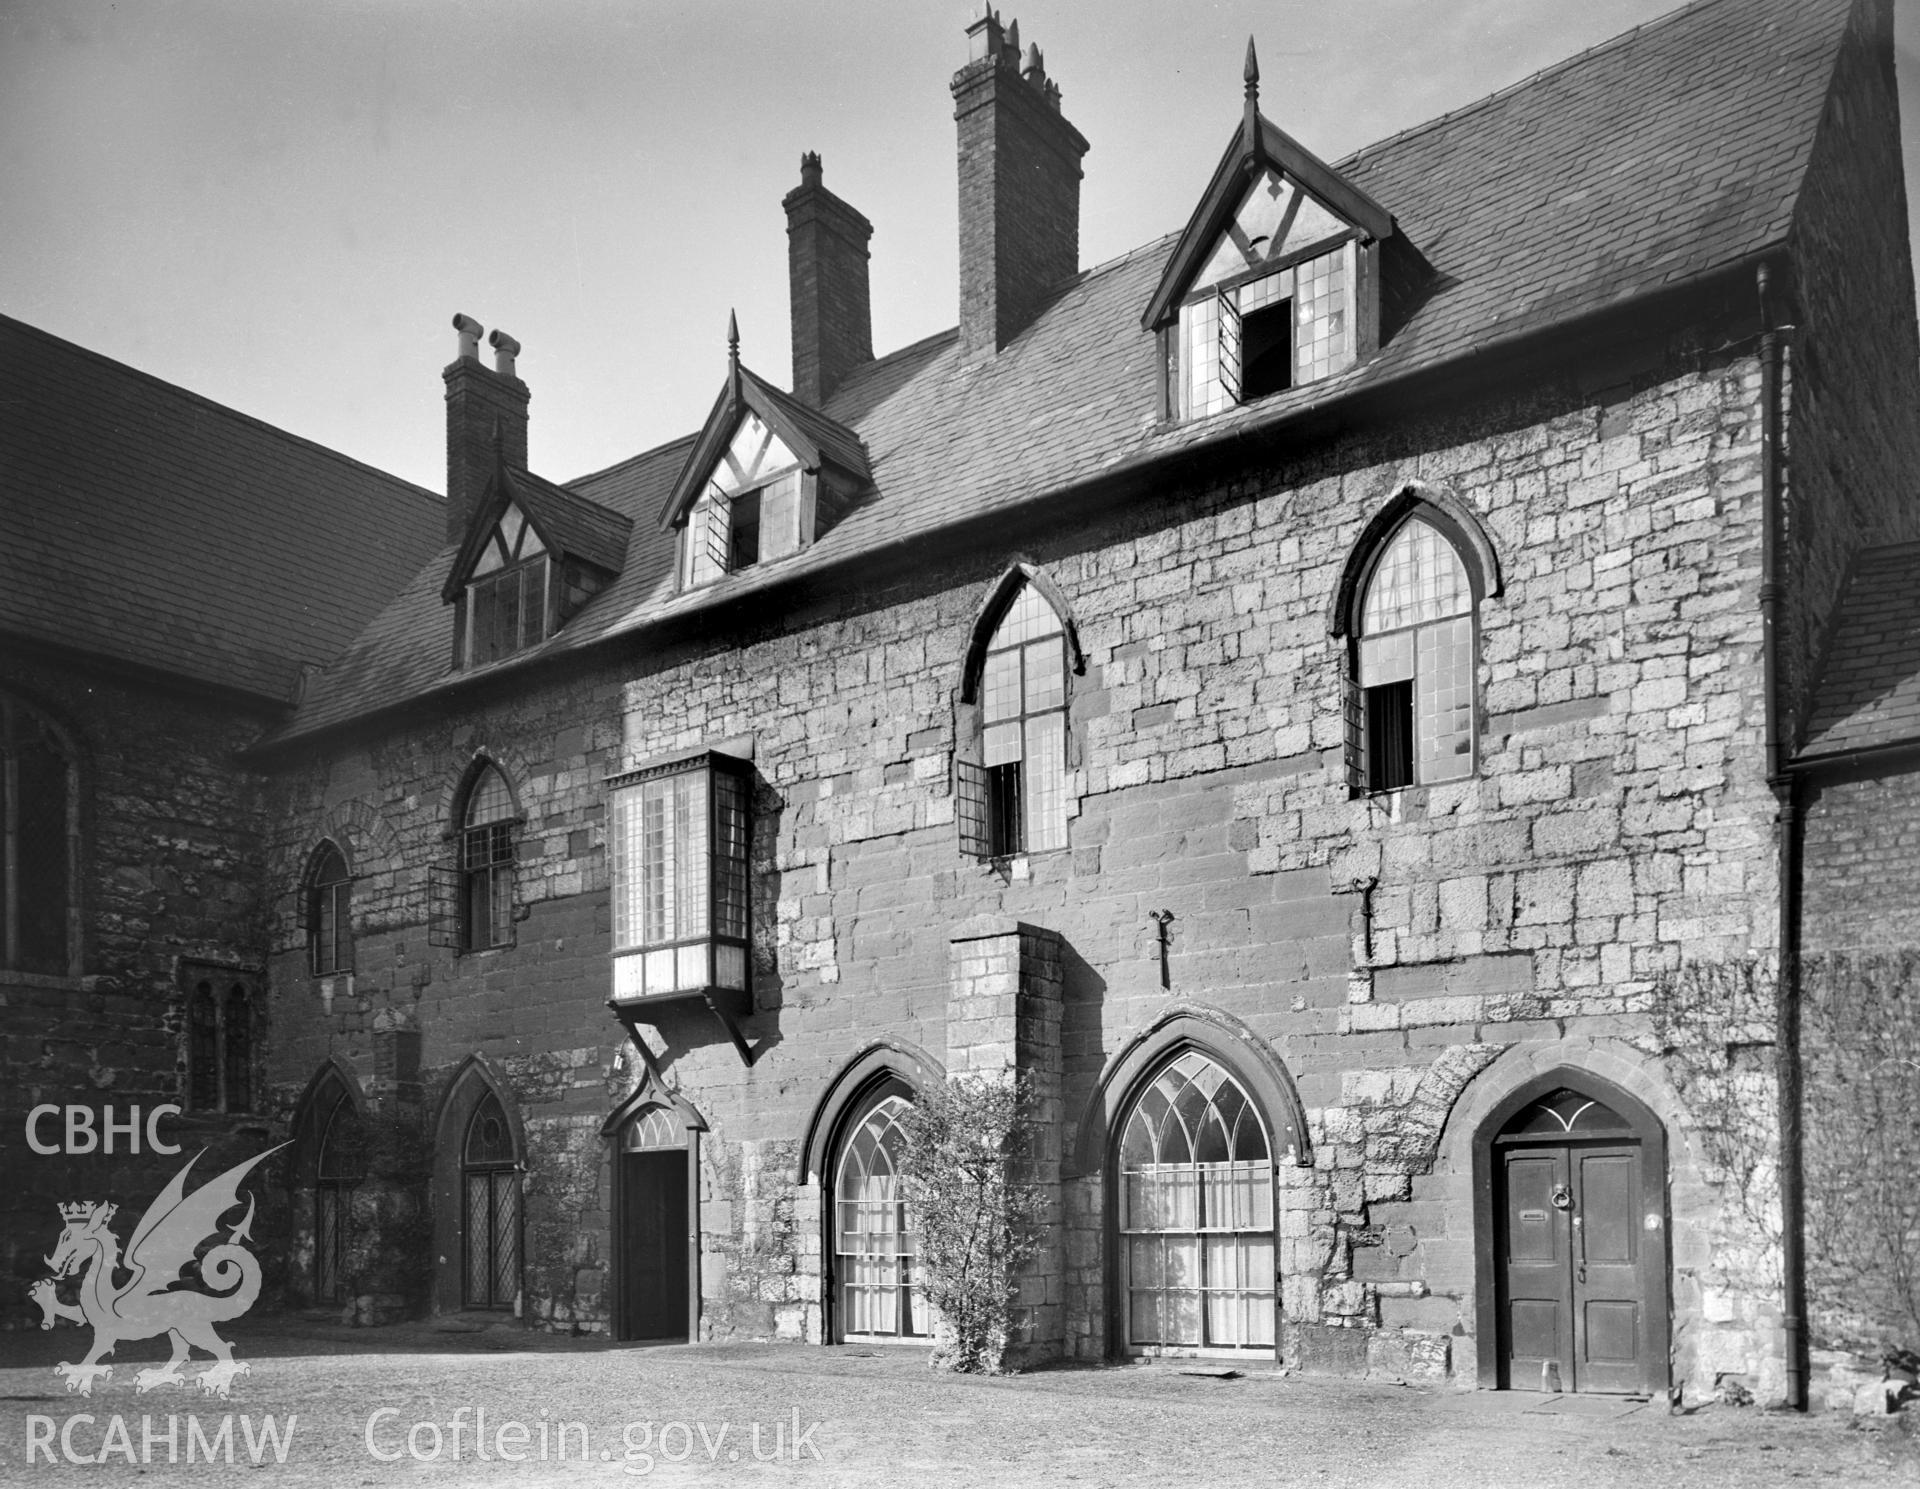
column 686, row 1415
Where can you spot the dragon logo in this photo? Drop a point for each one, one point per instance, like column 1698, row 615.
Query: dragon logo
column 146, row 1304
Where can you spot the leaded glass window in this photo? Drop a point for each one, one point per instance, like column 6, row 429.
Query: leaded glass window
column 1415, row 662
column 678, row 843
column 486, row 863
column 1273, row 330
column 875, row 1251
column 507, row 594
column 1023, row 712
column 1197, row 1213
column 492, row 1182
column 329, row 921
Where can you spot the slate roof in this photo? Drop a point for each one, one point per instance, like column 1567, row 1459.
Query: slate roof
column 1661, row 156
column 1868, row 693
column 148, row 525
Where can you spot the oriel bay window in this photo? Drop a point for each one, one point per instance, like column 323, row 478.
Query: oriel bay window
column 678, row 841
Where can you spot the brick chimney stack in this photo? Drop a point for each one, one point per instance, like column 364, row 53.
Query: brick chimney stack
column 486, row 416
column 827, row 286
column 1019, row 187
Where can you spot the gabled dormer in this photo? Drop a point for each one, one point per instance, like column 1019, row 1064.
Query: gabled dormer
column 766, row 478
column 1275, row 281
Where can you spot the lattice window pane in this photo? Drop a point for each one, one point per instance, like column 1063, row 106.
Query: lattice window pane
column 970, row 807
column 1419, row 578
column 1046, row 782
column 1443, row 700
column 1229, row 362
column 506, row 1237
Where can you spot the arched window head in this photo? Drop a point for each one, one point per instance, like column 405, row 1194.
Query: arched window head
column 1013, row 793
column 472, row 900
column 1414, row 651
column 38, row 845
column 329, row 917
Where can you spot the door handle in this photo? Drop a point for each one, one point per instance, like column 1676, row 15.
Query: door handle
column 1562, row 1197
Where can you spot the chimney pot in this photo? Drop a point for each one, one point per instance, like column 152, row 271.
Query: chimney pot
column 505, row 349
column 470, row 331
column 810, row 169
column 984, row 37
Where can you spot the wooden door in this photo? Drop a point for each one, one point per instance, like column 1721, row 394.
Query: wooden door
column 1572, row 1283
column 653, row 1244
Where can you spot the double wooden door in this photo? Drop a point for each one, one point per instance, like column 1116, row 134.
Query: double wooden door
column 1576, row 1226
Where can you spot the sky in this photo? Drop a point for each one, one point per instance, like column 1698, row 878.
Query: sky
column 282, row 205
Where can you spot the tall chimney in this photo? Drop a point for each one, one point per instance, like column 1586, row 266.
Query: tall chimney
column 486, row 417
column 1019, row 187
column 827, row 286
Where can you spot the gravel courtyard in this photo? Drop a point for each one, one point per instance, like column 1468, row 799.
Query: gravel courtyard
column 373, row 1407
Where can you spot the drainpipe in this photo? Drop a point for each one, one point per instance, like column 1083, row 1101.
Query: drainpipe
column 1774, row 341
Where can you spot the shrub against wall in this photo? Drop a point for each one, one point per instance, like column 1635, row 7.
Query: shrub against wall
column 976, row 1214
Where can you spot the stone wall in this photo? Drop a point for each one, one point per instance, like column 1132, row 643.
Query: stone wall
column 1395, row 953
column 172, row 865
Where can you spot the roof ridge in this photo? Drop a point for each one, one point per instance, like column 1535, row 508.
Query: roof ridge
column 1499, row 94
column 411, row 488
column 624, row 461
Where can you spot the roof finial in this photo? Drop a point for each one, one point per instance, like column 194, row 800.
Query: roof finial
column 1251, row 124
column 733, row 337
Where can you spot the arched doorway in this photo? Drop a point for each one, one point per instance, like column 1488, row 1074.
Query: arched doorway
column 654, row 1214
column 1570, row 1184
column 490, row 1188
column 875, row 1268
column 1194, row 1211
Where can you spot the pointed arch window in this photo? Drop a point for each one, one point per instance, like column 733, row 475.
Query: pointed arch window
column 339, row 1167
column 1011, row 774
column 39, row 840
column 473, row 903
column 491, row 1179
column 876, row 1263
column 329, row 893
column 1196, row 1213
column 507, row 594
column 1411, row 704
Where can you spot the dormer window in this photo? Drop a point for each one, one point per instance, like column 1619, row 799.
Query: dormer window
column 765, row 479
column 1268, row 312
column 761, row 518
column 1275, row 282
column 507, row 596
